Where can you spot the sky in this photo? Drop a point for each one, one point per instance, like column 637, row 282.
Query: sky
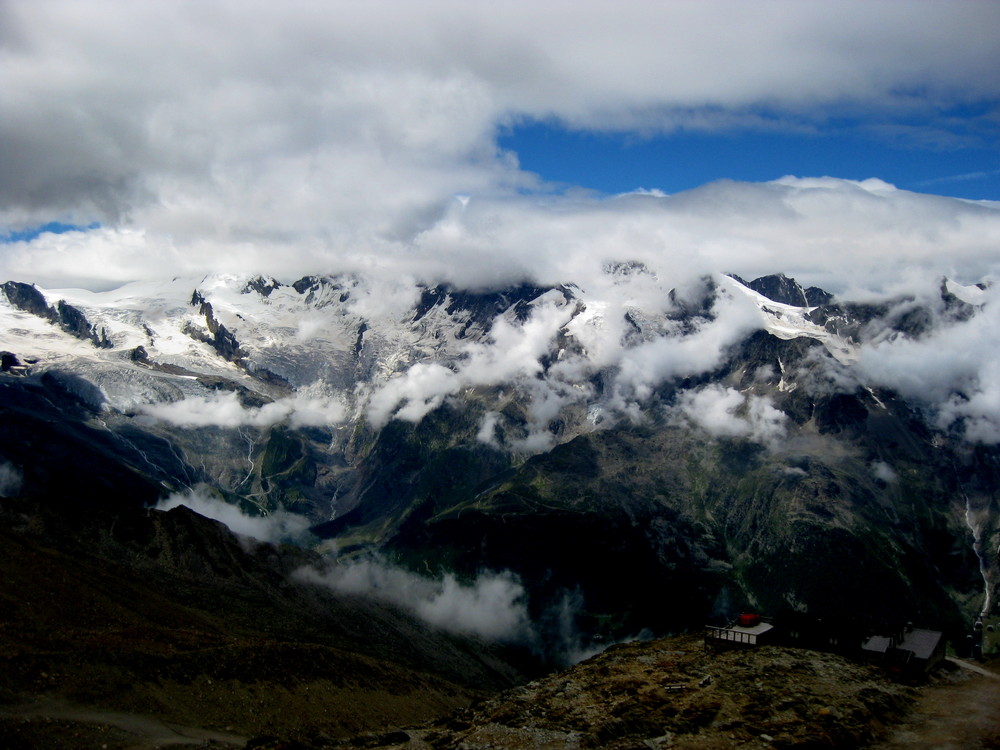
column 459, row 143
column 672, row 162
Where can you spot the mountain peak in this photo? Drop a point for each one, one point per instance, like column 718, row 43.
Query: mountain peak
column 779, row 288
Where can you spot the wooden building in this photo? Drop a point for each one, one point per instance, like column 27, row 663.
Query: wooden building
column 913, row 651
column 746, row 631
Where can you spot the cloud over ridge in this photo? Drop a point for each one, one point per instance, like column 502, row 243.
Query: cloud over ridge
column 317, row 137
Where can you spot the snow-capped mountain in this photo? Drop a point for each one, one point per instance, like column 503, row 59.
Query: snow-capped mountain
column 146, row 344
column 731, row 443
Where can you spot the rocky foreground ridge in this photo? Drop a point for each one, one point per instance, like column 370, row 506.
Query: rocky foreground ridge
column 667, row 693
column 672, row 693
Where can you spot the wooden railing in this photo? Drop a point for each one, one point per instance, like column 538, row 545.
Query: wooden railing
column 730, row 636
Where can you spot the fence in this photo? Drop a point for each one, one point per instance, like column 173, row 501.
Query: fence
column 734, row 637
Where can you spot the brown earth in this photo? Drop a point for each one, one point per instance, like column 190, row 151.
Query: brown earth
column 672, row 694
column 958, row 709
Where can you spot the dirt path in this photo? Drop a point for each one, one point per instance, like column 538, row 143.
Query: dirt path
column 126, row 731
column 957, row 713
column 973, row 667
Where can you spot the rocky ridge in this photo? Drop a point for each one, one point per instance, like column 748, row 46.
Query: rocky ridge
column 673, row 693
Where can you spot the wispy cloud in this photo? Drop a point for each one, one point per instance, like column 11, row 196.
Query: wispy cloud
column 278, row 526
column 11, row 479
column 966, row 177
column 225, row 410
column 493, row 606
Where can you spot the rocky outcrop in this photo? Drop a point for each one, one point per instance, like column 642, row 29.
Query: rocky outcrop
column 72, row 320
column 263, row 287
column 672, row 693
column 780, row 288
column 27, row 297
column 218, row 336
column 9, row 362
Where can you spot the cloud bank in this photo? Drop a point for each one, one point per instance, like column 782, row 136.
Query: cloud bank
column 847, row 237
column 315, row 137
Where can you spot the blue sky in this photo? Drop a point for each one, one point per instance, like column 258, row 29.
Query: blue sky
column 613, row 163
column 54, row 227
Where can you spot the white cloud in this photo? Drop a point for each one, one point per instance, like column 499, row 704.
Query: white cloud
column 488, row 429
column 493, row 606
column 836, row 234
column 512, row 353
column 303, row 409
column 725, row 412
column 10, row 479
column 884, row 472
column 307, row 410
column 277, row 526
column 222, row 410
column 649, row 364
column 413, row 394
column 954, row 370
column 309, row 137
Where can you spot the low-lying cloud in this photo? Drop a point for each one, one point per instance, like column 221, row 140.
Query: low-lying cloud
column 682, row 353
column 226, row 410
column 11, row 479
column 276, row 526
column 849, row 238
column 725, row 412
column 628, row 332
column 493, row 606
column 953, row 369
column 511, row 355
column 551, row 356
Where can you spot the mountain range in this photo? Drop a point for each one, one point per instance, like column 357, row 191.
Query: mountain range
column 551, row 469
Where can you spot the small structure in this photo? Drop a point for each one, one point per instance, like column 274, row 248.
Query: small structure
column 913, row 651
column 746, row 631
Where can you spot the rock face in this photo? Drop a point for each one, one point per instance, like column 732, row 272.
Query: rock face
column 780, row 288
column 27, row 297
